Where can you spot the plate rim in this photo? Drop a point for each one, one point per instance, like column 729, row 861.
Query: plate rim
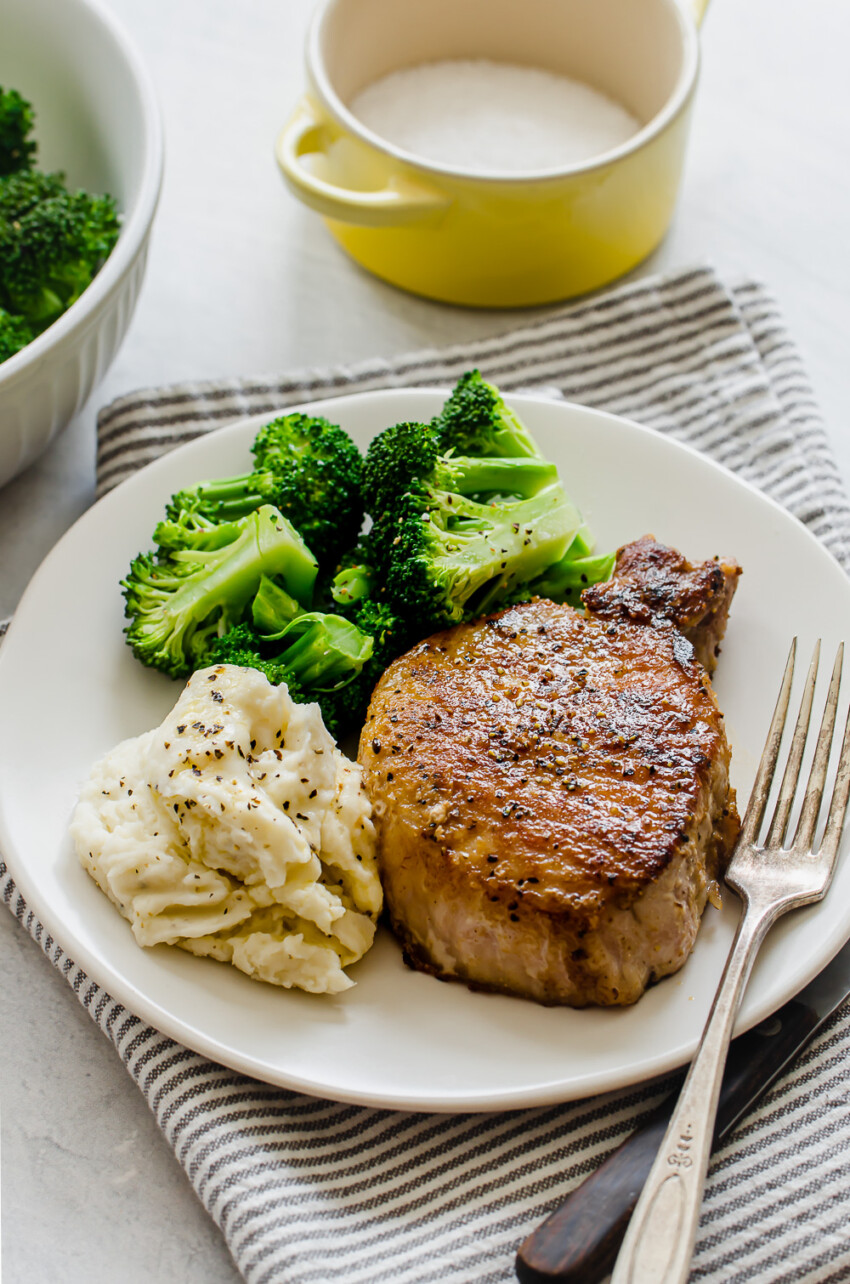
column 136, row 1001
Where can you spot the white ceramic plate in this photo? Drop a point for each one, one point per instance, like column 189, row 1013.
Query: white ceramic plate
column 70, row 689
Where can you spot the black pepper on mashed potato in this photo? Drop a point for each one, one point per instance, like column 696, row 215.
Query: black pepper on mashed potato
column 238, row 830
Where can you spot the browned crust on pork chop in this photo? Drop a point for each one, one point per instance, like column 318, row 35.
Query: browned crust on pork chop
column 653, row 584
column 552, row 800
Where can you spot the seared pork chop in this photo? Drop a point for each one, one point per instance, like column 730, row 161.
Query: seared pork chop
column 654, row 584
column 551, row 794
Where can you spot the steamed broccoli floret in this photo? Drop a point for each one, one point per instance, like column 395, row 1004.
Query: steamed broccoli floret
column 179, row 602
column 476, row 421
column 452, row 535
column 17, row 148
column 458, row 559
column 226, row 499
column 241, row 646
column 355, row 579
column 352, row 584
column 318, row 656
column 191, row 531
column 394, row 457
column 320, row 651
column 52, row 243
column 308, row 468
column 400, row 456
column 14, row 335
column 322, row 657
column 357, row 592
column 390, row 636
column 409, row 458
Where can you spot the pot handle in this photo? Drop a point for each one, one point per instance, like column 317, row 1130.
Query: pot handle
column 398, row 202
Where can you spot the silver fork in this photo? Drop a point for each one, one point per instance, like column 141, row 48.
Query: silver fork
column 770, row 879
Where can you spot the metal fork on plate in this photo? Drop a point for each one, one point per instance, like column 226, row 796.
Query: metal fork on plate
column 770, row 879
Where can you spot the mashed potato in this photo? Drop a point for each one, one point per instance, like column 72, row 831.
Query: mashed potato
column 237, row 830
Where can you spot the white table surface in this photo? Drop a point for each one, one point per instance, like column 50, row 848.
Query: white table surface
column 242, row 279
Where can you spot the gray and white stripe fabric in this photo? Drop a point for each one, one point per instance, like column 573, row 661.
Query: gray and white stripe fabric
column 311, row 1192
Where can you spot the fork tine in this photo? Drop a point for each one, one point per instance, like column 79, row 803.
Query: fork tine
column 754, row 814
column 784, row 802
column 817, row 775
column 840, row 794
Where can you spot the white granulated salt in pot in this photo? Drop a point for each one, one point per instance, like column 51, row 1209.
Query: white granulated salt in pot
column 484, row 116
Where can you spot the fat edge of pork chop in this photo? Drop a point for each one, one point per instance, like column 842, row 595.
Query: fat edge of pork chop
column 552, row 798
column 655, row 584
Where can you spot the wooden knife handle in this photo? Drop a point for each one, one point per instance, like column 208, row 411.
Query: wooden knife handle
column 578, row 1242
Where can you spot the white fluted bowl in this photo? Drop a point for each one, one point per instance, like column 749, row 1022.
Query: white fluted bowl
column 97, row 119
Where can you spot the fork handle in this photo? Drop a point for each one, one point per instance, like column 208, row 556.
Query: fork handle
column 658, row 1245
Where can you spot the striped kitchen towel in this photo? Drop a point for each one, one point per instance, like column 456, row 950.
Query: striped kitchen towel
column 311, row 1192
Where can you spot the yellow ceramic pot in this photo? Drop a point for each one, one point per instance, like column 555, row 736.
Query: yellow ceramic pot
column 496, row 240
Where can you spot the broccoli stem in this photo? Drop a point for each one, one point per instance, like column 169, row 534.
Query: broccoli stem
column 504, row 477
column 273, row 608
column 281, row 551
column 194, row 531
column 228, row 578
column 227, row 498
column 352, row 585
